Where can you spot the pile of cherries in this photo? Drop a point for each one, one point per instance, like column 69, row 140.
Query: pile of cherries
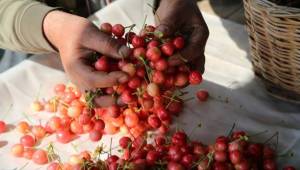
column 178, row 152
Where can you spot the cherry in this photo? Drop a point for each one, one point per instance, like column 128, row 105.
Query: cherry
column 112, row 158
column 106, row 27
column 152, row 157
column 140, row 72
column 138, row 41
column 255, row 150
column 154, row 121
column 160, row 140
column 55, row 123
column 139, row 52
column 99, row 125
column 268, row 153
column 125, row 142
column 23, row 127
column 152, row 43
column 102, row 64
column 28, row 152
column 131, row 120
column 220, row 156
column 129, row 68
column 129, row 36
column 27, row 141
column 235, row 156
column 269, row 164
column 163, row 114
column 114, row 111
column 289, row 168
column 158, row 77
column 179, row 138
column 178, row 42
column 64, row 136
column 175, row 153
column 118, row 30
column 127, row 97
column 175, row 166
column 202, row 95
column 134, row 82
column 17, row 150
column 59, row 88
column 195, row 77
column 85, row 119
column 181, row 79
column 95, row 135
column 161, row 65
column 40, row 157
column 220, row 166
column 243, row 165
column 153, row 53
column 187, row 160
column 54, row 166
column 153, row 89
column 168, row 49
column 2, row 126
column 220, row 145
column 38, row 131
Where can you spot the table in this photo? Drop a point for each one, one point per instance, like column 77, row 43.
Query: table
column 236, row 95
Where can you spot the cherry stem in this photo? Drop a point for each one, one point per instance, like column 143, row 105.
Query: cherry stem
column 231, row 130
column 38, row 92
column 144, row 22
column 24, row 166
column 269, row 139
column 26, row 117
column 153, row 10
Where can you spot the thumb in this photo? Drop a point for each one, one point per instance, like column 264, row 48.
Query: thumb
column 105, row 44
column 166, row 27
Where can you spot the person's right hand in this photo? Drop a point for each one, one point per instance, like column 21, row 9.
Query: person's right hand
column 76, row 39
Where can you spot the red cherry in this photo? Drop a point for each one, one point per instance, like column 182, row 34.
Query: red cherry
column 2, row 126
column 106, row 27
column 255, row 150
column 139, row 52
column 40, row 157
column 64, row 136
column 153, row 53
column 152, row 157
column 118, row 30
column 167, row 49
column 268, row 153
column 235, row 156
column 138, row 41
column 95, row 135
column 27, row 141
column 181, row 79
column 153, row 43
column 220, row 156
column 154, row 121
column 163, row 114
column 161, row 65
column 85, row 119
column 178, row 42
column 175, row 166
column 141, row 72
column 289, row 168
column 269, row 164
column 220, row 146
column 99, row 125
column 125, row 142
column 160, row 140
column 158, row 77
column 112, row 158
column 202, row 95
column 134, row 82
column 187, row 160
column 102, row 64
column 195, row 78
column 127, row 97
column 243, row 165
column 175, row 153
column 114, row 111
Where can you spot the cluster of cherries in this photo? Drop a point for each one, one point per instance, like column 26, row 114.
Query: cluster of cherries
column 177, row 152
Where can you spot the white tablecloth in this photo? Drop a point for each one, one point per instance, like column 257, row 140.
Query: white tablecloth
column 236, row 95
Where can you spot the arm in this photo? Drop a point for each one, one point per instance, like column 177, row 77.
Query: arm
column 21, row 26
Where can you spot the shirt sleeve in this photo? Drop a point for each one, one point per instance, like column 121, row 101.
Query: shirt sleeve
column 21, row 26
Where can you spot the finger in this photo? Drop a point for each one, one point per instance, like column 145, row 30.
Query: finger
column 199, row 64
column 195, row 46
column 167, row 26
column 105, row 44
column 104, row 101
column 97, row 79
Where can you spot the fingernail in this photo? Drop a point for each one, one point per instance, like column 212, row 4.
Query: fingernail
column 123, row 79
column 124, row 51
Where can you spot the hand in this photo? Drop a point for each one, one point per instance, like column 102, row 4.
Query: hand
column 76, row 39
column 184, row 16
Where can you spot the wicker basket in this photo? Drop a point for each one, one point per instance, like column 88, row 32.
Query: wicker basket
column 274, row 33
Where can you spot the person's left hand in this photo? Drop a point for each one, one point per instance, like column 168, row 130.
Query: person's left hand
column 185, row 17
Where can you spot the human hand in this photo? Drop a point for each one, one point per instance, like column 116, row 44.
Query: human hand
column 76, row 39
column 185, row 17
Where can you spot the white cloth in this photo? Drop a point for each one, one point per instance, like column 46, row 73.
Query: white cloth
column 236, row 95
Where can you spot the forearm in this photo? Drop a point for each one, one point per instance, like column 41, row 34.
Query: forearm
column 21, row 26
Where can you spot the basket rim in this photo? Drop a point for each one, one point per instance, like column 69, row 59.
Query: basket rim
column 274, row 9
